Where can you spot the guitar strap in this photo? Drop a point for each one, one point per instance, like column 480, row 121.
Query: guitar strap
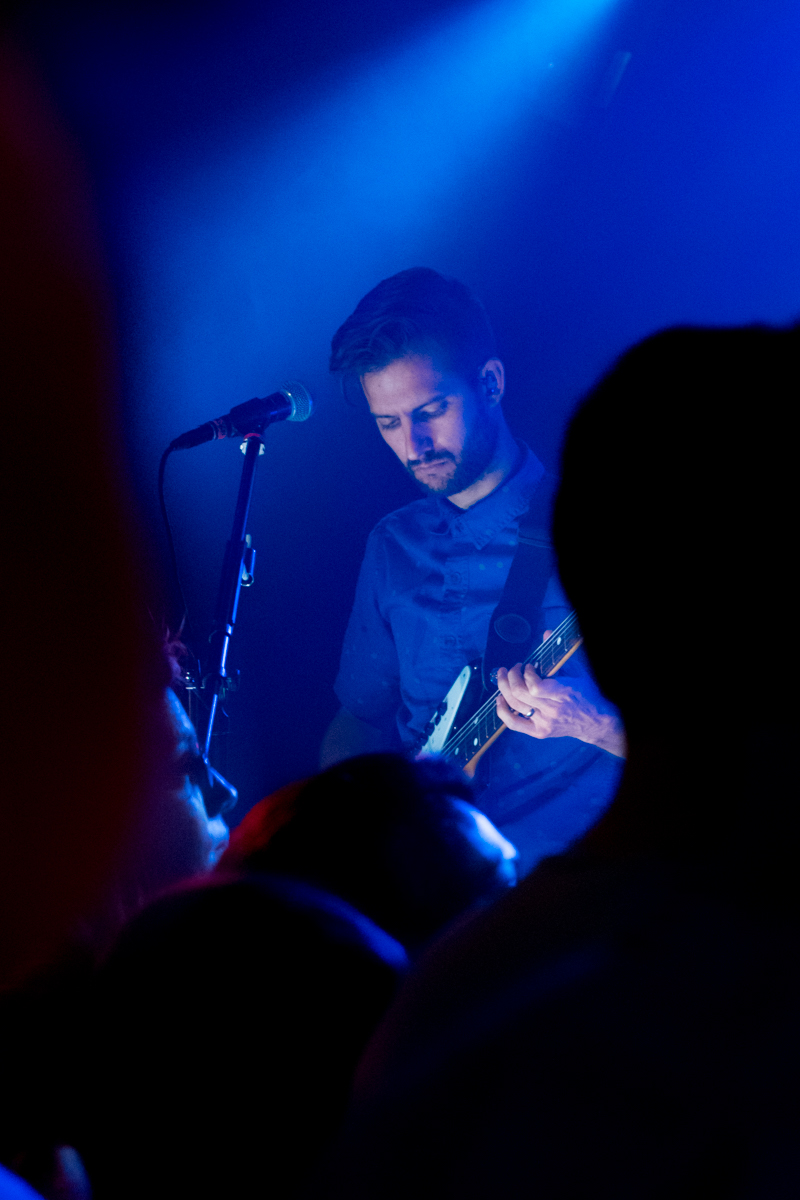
column 516, row 625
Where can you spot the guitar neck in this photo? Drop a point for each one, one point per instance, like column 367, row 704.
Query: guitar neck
column 484, row 726
column 561, row 645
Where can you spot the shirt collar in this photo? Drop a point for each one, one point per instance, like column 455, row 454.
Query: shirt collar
column 482, row 522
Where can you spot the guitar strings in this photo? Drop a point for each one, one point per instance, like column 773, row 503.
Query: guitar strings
column 567, row 626
column 487, row 710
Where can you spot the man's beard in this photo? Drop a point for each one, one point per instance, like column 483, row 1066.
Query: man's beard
column 476, row 455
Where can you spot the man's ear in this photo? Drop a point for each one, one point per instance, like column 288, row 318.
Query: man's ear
column 493, row 380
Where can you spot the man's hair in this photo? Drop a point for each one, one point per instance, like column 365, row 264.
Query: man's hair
column 172, row 652
column 417, row 311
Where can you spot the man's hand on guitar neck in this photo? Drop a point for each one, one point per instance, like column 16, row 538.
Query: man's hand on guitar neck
column 558, row 711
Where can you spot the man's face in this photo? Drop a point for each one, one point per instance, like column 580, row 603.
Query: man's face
column 441, row 429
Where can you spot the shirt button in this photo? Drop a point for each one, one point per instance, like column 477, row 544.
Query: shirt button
column 455, row 577
column 449, row 640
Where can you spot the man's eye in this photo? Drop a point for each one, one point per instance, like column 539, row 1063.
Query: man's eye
column 192, row 766
column 387, row 425
column 197, row 772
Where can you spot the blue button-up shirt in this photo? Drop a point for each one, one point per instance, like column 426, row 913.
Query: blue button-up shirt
column 431, row 578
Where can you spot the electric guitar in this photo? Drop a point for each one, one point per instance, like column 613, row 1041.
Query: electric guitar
column 466, row 723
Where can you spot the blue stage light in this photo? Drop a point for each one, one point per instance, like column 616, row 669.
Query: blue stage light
column 255, row 252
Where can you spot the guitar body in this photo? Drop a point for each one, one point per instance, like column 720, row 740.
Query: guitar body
column 466, row 723
column 453, row 716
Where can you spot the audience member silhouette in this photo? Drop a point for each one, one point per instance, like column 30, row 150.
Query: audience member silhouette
column 97, row 813
column 85, row 729
column 82, row 725
column 624, row 1023
column 42, row 1020
column 227, row 1025
column 304, row 976
column 400, row 841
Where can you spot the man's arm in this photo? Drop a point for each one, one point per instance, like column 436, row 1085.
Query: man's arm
column 558, row 711
column 368, row 682
column 348, row 735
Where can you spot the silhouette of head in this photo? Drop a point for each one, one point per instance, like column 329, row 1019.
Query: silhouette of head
column 672, row 523
column 399, row 841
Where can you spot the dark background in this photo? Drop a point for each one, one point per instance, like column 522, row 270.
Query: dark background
column 595, row 169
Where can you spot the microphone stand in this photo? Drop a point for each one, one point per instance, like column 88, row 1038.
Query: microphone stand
column 237, row 569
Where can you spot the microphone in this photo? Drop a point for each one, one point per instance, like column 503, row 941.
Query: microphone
column 292, row 403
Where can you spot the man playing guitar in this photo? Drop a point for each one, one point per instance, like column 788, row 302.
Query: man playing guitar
column 420, row 348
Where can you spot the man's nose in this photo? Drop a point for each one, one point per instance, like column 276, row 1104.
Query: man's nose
column 418, row 441
column 218, row 795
